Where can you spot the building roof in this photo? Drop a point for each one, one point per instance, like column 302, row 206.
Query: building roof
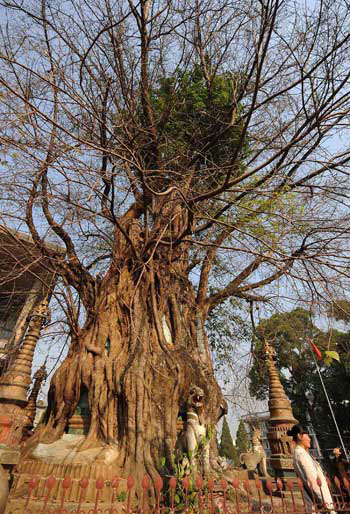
column 21, row 264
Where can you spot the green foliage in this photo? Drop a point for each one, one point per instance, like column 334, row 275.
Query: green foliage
column 183, row 468
column 180, row 494
column 242, row 438
column 288, row 332
column 197, row 118
column 267, row 216
column 227, row 329
column 340, row 310
column 121, row 497
column 227, row 448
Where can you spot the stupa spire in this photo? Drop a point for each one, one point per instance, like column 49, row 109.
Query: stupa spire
column 279, row 404
column 281, row 419
column 15, row 382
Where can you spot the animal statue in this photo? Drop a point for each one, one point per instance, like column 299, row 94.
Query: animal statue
column 193, row 439
column 222, row 463
column 255, row 458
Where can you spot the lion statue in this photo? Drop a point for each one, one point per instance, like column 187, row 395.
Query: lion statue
column 194, row 436
column 255, row 458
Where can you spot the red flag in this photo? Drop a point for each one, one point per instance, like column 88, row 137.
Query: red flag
column 316, row 351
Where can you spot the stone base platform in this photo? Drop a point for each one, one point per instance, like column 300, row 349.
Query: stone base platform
column 62, row 492
column 60, row 460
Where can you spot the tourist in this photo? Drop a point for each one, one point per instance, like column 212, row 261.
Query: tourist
column 340, row 464
column 308, row 470
column 339, row 467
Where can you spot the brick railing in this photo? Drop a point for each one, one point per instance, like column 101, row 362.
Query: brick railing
column 189, row 496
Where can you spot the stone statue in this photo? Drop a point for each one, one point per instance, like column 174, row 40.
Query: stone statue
column 193, row 439
column 255, row 458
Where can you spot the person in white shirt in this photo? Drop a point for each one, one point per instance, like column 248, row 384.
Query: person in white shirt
column 309, row 470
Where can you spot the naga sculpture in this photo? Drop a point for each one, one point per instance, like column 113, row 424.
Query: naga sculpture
column 256, row 458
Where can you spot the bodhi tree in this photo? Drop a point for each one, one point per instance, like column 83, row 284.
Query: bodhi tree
column 183, row 153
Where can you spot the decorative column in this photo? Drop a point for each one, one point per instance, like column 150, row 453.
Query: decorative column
column 14, row 386
column 281, row 419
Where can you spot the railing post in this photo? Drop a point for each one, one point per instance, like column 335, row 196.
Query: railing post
column 211, row 499
column 199, row 487
column 159, row 487
column 269, row 488
column 83, row 484
column 31, row 486
column 172, row 485
column 224, row 487
column 280, row 489
column 99, row 485
column 50, row 484
column 301, row 489
column 246, row 486
column 258, row 485
column 130, row 484
column 66, row 484
column 235, row 483
column 186, row 486
column 338, row 486
column 145, row 486
column 290, row 488
column 114, row 485
column 346, row 484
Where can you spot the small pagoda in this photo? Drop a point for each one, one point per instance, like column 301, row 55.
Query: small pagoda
column 281, row 419
column 17, row 411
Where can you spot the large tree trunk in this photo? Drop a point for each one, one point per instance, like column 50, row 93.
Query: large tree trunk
column 137, row 357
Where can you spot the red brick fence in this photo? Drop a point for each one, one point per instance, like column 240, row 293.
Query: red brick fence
column 186, row 497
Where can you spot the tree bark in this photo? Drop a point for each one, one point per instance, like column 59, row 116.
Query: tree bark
column 141, row 348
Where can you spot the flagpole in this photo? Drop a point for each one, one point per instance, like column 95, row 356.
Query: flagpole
column 330, row 406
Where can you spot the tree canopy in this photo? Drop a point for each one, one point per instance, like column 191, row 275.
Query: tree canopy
column 229, row 141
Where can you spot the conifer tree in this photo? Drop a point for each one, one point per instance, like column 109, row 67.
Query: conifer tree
column 227, row 448
column 242, row 438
